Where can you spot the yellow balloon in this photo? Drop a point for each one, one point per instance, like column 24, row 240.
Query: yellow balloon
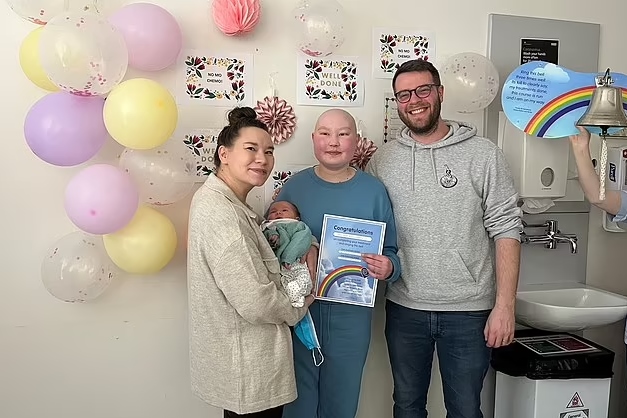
column 144, row 246
column 140, row 114
column 30, row 61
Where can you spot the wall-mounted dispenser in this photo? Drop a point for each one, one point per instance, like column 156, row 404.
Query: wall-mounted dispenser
column 539, row 166
column 616, row 179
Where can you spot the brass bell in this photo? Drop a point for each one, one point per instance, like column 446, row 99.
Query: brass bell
column 606, row 106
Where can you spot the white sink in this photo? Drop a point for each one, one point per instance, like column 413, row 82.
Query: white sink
column 568, row 307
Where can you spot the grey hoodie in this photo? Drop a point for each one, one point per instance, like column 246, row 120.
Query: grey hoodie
column 451, row 200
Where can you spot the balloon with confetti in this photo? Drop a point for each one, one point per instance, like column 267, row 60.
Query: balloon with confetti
column 163, row 175
column 41, row 12
column 82, row 53
column 471, row 80
column 76, row 268
column 319, row 27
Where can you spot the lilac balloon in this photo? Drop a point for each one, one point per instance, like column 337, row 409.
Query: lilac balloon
column 101, row 199
column 64, row 129
column 153, row 36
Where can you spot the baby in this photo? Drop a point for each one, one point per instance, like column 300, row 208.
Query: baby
column 290, row 238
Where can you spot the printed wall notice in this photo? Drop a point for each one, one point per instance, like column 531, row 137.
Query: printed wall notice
column 547, row 100
column 202, row 144
column 279, row 176
column 216, row 80
column 391, row 48
column 335, row 81
column 539, row 50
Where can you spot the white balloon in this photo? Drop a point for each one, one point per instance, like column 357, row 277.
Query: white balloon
column 319, row 27
column 82, row 53
column 41, row 11
column 163, row 175
column 77, row 268
column 471, row 82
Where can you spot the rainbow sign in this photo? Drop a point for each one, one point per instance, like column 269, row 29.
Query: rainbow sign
column 546, row 100
column 337, row 275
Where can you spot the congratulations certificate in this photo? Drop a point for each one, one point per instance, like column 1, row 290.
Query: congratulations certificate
column 342, row 274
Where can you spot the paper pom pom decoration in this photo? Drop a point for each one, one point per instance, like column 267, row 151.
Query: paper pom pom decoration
column 236, row 17
column 364, row 151
column 278, row 116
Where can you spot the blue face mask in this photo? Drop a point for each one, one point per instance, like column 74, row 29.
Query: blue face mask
column 305, row 330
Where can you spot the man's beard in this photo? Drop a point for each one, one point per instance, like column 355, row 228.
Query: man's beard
column 427, row 128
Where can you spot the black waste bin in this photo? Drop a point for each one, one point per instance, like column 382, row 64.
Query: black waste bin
column 546, row 374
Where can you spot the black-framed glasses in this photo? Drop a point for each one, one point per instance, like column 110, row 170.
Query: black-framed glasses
column 422, row 92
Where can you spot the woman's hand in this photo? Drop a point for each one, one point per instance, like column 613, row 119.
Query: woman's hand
column 311, row 259
column 581, row 141
column 379, row 266
column 309, row 299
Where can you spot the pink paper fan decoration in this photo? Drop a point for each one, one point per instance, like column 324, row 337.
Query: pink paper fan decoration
column 364, row 151
column 276, row 192
column 278, row 116
column 236, row 17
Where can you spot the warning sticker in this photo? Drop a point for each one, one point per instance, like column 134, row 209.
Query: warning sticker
column 582, row 413
column 575, row 402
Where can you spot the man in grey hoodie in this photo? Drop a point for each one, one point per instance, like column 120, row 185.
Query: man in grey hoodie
column 458, row 224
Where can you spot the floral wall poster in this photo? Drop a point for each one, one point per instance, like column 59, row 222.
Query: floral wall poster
column 202, row 144
column 278, row 178
column 216, row 80
column 390, row 48
column 335, row 81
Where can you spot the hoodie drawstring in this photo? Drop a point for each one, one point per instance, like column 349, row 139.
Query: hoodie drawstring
column 458, row 132
column 435, row 171
column 413, row 164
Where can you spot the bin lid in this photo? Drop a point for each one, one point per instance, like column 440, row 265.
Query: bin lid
column 547, row 355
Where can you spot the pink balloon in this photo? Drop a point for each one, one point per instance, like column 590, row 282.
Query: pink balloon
column 101, row 199
column 64, row 129
column 153, row 36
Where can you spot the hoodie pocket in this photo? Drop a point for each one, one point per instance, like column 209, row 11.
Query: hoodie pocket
column 436, row 275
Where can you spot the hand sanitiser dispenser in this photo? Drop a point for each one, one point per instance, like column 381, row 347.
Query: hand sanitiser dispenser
column 616, row 168
column 539, row 165
column 616, row 179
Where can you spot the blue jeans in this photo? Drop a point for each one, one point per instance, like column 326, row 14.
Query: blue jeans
column 463, row 356
column 332, row 390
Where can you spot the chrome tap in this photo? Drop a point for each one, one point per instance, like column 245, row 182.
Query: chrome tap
column 551, row 238
column 570, row 239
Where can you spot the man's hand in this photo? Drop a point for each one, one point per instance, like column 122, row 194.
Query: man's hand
column 379, row 266
column 311, row 259
column 499, row 330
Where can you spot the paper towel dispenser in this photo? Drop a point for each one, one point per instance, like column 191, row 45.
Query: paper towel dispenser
column 539, row 165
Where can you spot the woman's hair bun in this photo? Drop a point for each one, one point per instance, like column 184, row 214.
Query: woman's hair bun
column 241, row 114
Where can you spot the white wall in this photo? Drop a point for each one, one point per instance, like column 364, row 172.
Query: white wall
column 125, row 356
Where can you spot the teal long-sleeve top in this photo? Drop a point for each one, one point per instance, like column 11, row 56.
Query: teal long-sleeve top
column 363, row 197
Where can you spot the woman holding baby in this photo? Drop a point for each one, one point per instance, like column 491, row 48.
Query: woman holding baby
column 241, row 353
column 240, row 344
